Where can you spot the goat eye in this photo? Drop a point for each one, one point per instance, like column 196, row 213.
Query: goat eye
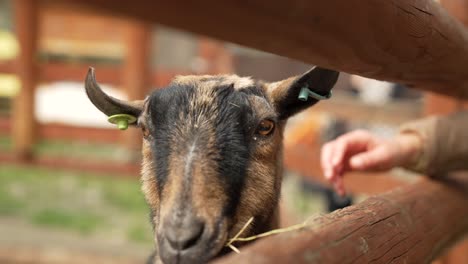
column 265, row 127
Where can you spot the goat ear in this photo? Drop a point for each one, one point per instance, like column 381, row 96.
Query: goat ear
column 107, row 104
column 284, row 94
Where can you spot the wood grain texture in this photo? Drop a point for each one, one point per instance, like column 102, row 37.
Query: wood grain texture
column 413, row 224
column 414, row 42
column 439, row 104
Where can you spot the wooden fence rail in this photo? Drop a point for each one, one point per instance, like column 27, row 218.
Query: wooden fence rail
column 415, row 42
column 413, row 224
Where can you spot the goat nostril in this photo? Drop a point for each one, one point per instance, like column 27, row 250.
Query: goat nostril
column 182, row 238
column 192, row 240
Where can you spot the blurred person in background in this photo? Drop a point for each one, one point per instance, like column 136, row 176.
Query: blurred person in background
column 431, row 146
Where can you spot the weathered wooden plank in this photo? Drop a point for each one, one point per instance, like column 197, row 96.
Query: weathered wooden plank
column 414, row 42
column 410, row 225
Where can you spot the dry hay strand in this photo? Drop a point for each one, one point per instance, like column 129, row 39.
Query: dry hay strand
column 237, row 237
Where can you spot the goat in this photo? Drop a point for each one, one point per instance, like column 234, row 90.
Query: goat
column 212, row 155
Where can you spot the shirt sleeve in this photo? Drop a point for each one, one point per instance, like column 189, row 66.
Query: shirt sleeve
column 444, row 143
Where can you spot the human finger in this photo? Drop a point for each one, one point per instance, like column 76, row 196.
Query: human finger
column 325, row 158
column 345, row 147
column 379, row 158
column 338, row 185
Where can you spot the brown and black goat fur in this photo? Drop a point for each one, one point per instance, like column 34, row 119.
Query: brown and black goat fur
column 212, row 156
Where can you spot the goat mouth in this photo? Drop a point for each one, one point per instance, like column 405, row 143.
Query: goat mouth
column 208, row 247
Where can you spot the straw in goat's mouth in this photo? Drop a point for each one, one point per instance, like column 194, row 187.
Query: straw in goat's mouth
column 237, row 237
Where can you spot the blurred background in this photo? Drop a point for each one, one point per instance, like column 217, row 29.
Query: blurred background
column 69, row 189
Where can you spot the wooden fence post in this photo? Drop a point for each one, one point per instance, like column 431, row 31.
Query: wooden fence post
column 215, row 54
column 136, row 74
column 24, row 123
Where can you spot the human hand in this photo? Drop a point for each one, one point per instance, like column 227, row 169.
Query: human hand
column 362, row 151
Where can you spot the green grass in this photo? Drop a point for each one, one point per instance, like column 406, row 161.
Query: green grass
column 80, row 150
column 5, row 143
column 58, row 218
column 139, row 234
column 119, row 197
column 10, row 205
column 83, row 203
column 73, row 149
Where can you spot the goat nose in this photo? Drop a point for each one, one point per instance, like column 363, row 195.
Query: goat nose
column 186, row 235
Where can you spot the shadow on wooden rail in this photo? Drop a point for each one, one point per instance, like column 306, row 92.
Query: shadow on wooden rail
column 412, row 224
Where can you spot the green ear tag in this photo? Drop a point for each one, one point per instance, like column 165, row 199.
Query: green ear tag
column 306, row 92
column 122, row 120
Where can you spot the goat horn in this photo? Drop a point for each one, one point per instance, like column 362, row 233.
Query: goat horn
column 107, row 104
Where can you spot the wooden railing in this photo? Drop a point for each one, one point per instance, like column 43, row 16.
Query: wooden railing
column 414, row 42
column 413, row 224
